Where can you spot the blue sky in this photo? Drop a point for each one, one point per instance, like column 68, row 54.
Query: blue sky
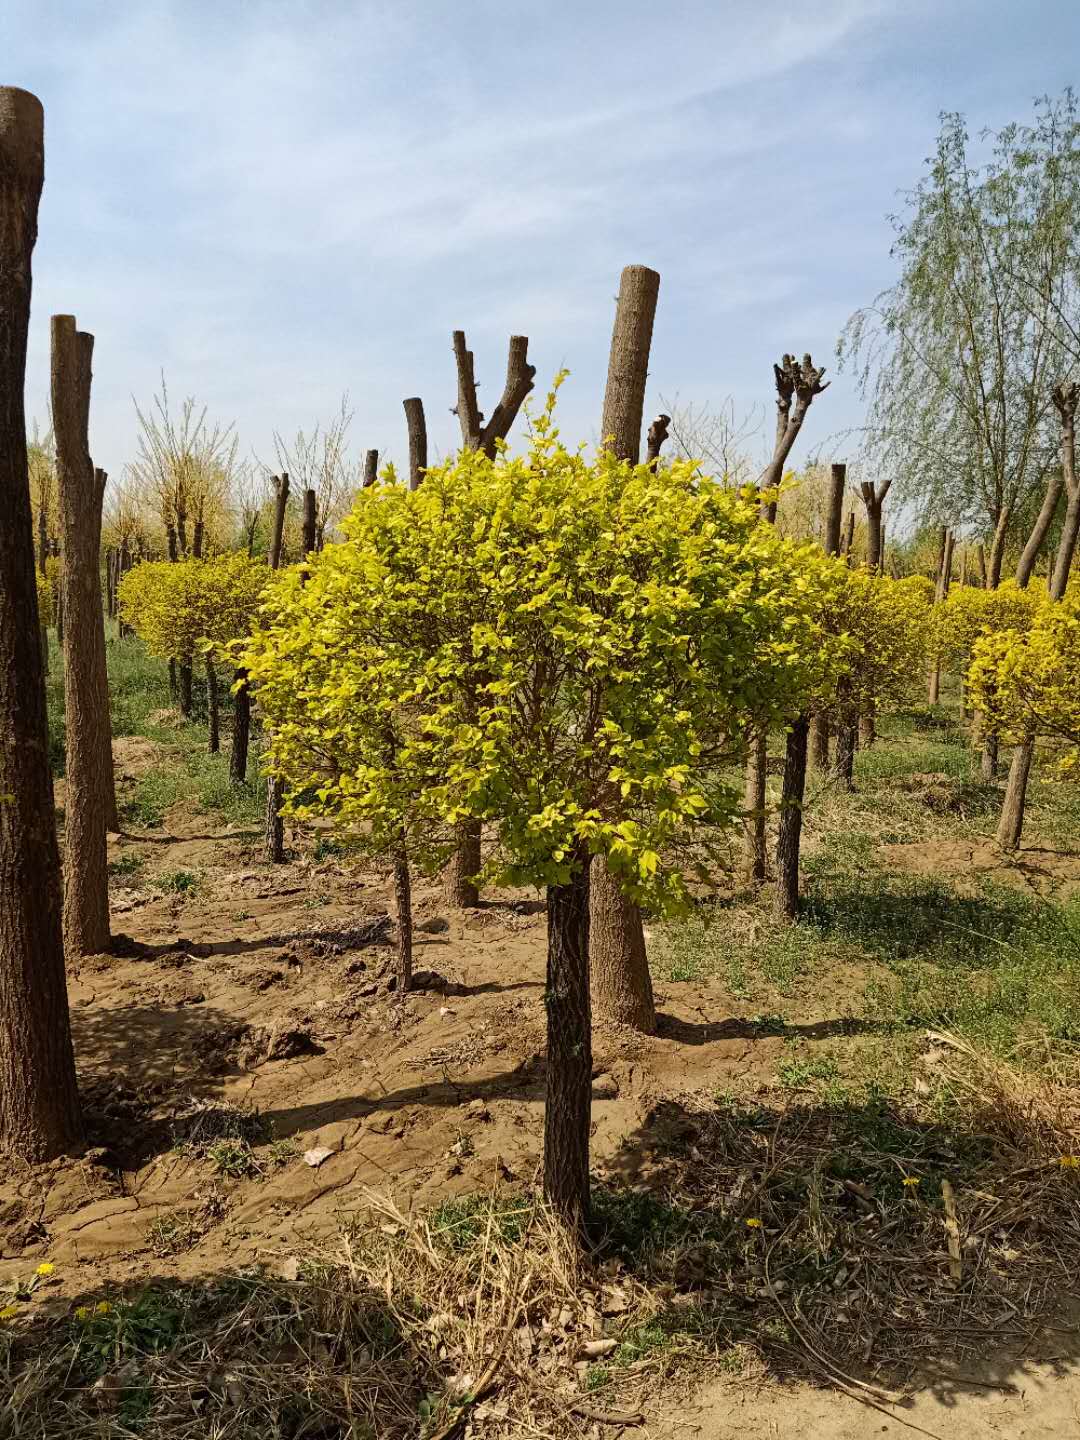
column 279, row 202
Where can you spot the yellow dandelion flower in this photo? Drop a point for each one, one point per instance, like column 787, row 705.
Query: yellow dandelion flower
column 911, row 1181
column 103, row 1308
column 753, row 1224
column 82, row 1312
column 45, row 1269
column 1069, row 1162
column 8, row 1312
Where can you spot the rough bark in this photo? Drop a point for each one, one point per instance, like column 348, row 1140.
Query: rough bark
column 997, row 550
column 371, row 468
column 459, row 884
column 241, row 731
column 786, row 899
column 213, row 718
column 184, row 683
column 980, row 562
column 89, row 807
column 567, row 1111
column 403, row 907
column 844, row 757
column 941, row 594
column 849, row 536
column 654, row 440
column 988, row 762
column 417, row 427
column 832, row 542
column 39, row 1103
column 794, row 382
column 754, row 864
column 874, row 501
column 1026, row 565
column 621, row 984
column 628, row 362
column 620, row 428
column 307, row 544
column 274, row 830
column 1011, row 823
column 520, row 375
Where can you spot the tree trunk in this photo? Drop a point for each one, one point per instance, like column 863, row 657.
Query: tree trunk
column 371, row 468
column 819, row 742
column 754, row 848
column 1011, row 823
column 997, row 550
column 849, row 536
column 417, row 427
column 403, row 906
column 624, row 970
column 89, row 800
column 844, row 757
column 786, row 900
column 185, row 682
column 621, row 984
column 873, row 533
column 307, row 544
column 274, row 831
column 213, row 743
column 459, row 883
column 1039, row 531
column 238, row 755
column 173, row 687
column 39, row 1102
column 867, row 729
column 567, row 1111
column 988, row 764
column 1070, row 531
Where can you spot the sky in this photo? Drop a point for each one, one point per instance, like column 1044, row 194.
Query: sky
column 273, row 203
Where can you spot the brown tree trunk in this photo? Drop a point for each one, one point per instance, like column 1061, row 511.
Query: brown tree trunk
column 754, row 865
column 980, row 562
column 403, row 906
column 625, row 989
column 849, row 536
column 1039, row 531
column 417, row 427
column 621, row 984
column 997, row 550
column 786, row 899
column 459, row 877
column 567, row 1111
column 40, row 1115
column 185, row 683
column 1011, row 823
column 988, row 764
column 307, row 544
column 941, row 594
column 274, row 833
column 844, row 757
column 89, row 802
column 213, row 723
column 241, row 732
column 371, row 468
column 834, row 516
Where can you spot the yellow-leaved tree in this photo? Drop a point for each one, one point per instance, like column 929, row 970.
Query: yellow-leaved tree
column 568, row 651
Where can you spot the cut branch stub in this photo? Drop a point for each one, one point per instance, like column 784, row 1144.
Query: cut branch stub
column 628, row 365
column 658, row 433
column 520, row 375
column 371, row 468
column 801, row 380
column 414, row 419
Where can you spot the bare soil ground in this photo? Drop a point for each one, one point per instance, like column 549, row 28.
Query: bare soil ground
column 249, row 1074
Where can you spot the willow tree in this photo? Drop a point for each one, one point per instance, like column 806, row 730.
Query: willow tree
column 958, row 358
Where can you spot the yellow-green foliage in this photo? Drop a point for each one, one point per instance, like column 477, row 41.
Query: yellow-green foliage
column 180, row 608
column 968, row 613
column 567, row 650
column 1027, row 681
column 883, row 623
column 46, row 606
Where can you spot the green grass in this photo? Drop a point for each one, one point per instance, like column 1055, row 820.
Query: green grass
column 129, row 863
column 178, row 882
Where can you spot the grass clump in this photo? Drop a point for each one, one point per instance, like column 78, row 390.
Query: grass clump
column 178, row 882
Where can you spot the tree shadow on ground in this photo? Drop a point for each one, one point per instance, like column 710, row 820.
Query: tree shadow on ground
column 820, row 1235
